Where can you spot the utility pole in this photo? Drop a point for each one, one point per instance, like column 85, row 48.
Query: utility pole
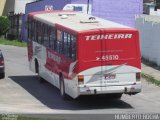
column 87, row 6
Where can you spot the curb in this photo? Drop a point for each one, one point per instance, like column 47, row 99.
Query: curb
column 151, row 79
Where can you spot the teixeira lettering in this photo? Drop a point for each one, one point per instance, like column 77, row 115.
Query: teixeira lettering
column 108, row 36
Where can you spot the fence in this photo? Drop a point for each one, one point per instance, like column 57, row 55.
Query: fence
column 15, row 26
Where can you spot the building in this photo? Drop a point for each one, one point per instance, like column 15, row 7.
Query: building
column 149, row 27
column 13, row 6
column 6, row 7
column 14, row 9
column 121, row 11
column 41, row 5
column 2, row 3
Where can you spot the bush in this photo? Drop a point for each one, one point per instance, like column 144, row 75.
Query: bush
column 4, row 25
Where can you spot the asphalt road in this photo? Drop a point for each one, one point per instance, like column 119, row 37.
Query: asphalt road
column 21, row 92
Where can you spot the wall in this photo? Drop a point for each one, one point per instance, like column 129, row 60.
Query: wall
column 20, row 6
column 40, row 5
column 121, row 11
column 16, row 6
column 2, row 3
column 8, row 7
column 149, row 27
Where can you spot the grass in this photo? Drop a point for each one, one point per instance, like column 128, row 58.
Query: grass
column 12, row 42
column 151, row 79
column 17, row 117
column 29, row 118
column 148, row 77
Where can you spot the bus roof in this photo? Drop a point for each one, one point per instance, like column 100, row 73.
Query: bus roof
column 76, row 21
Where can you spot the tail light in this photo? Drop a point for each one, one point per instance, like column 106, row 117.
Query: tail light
column 138, row 76
column 80, row 79
column 1, row 62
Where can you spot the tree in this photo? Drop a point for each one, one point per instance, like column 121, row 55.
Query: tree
column 4, row 25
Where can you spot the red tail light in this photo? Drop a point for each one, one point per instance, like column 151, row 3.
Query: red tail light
column 1, row 62
column 138, row 76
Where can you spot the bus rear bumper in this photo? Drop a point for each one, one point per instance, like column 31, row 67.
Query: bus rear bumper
column 126, row 89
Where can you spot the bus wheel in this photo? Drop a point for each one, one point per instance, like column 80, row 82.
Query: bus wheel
column 62, row 88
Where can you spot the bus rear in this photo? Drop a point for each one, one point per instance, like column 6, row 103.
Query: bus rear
column 109, row 62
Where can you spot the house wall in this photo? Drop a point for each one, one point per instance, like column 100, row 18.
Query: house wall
column 40, row 5
column 20, row 6
column 149, row 27
column 6, row 6
column 2, row 3
column 121, row 11
column 16, row 6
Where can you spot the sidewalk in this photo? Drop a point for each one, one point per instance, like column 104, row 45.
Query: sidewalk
column 151, row 71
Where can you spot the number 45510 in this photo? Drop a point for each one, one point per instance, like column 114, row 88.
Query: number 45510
column 108, row 57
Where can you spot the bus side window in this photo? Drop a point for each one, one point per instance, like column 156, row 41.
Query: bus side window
column 42, row 33
column 36, row 34
column 59, row 41
column 32, row 30
column 45, row 37
column 29, row 28
column 62, row 46
column 65, row 37
column 35, row 30
column 73, row 47
column 39, row 33
column 51, row 37
column 68, row 45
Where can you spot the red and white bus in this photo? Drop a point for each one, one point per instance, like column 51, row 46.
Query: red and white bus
column 84, row 55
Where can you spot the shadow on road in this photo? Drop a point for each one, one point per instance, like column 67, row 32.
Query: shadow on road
column 50, row 96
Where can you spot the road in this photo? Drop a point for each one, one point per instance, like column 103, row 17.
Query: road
column 21, row 92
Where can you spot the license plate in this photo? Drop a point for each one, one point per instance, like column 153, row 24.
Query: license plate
column 109, row 76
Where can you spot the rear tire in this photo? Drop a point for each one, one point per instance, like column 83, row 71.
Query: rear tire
column 62, row 88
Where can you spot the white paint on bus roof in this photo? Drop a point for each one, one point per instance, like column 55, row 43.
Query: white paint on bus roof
column 73, row 21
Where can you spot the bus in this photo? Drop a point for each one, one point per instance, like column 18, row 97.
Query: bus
column 82, row 54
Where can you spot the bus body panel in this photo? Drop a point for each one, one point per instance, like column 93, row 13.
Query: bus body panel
column 50, row 65
column 111, row 59
column 109, row 51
